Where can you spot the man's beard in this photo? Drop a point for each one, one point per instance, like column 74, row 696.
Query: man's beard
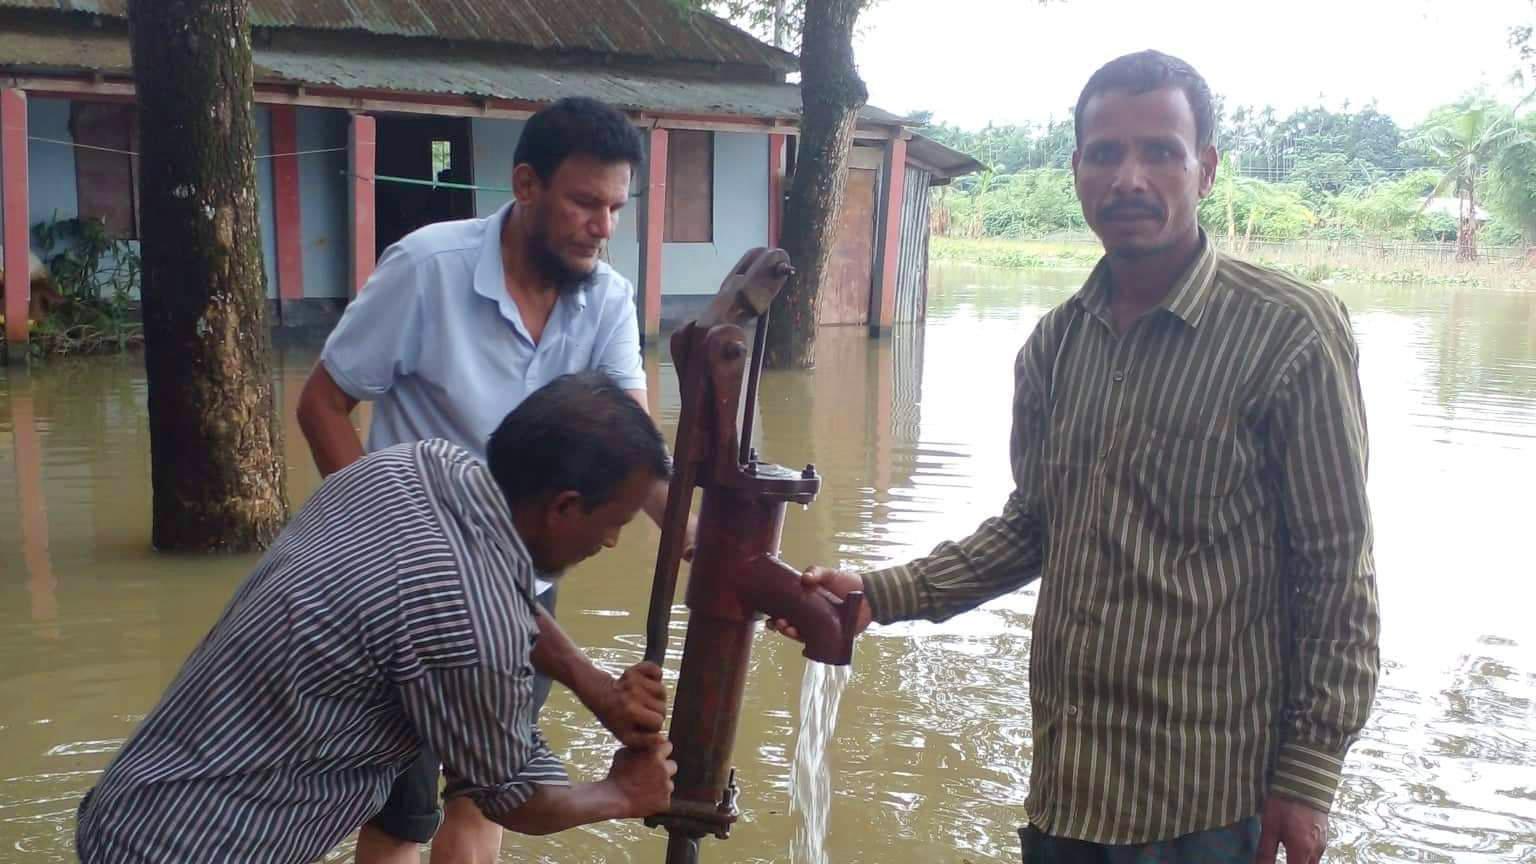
column 565, row 278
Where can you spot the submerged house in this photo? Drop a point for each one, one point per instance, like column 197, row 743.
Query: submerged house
column 374, row 118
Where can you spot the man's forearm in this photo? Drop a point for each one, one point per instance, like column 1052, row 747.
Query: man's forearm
column 333, row 443
column 325, row 417
column 556, row 656
column 655, row 505
column 558, row 808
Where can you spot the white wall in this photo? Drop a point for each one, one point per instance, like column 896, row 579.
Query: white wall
column 494, row 142
column 740, row 214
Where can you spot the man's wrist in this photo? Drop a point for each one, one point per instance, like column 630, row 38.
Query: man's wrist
column 593, row 686
column 609, row 801
column 894, row 594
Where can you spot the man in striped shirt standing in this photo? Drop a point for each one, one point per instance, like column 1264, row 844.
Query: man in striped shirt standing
column 395, row 612
column 1189, row 453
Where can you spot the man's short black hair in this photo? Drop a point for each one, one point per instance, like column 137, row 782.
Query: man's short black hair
column 577, row 125
column 580, row 432
column 1144, row 72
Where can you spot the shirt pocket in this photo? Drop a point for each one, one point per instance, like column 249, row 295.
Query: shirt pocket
column 1192, row 487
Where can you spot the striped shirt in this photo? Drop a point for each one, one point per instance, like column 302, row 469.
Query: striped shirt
column 1192, row 495
column 393, row 612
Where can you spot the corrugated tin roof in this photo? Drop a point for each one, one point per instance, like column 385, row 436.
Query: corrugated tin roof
column 80, row 50
column 659, row 29
column 945, row 161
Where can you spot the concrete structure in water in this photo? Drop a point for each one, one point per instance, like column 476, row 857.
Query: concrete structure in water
column 376, row 118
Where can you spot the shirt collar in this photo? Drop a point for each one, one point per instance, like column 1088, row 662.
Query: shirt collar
column 1187, row 301
column 491, row 278
column 474, row 494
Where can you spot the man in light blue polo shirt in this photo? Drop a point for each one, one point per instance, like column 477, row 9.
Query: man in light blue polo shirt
column 458, row 324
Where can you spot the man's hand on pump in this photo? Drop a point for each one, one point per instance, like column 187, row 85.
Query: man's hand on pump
column 836, row 585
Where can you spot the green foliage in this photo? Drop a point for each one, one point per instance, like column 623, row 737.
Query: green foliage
column 1027, row 204
column 1010, row 149
column 1336, row 174
column 1394, row 209
column 1249, row 207
column 757, row 16
column 97, row 277
column 1472, row 142
column 1511, row 188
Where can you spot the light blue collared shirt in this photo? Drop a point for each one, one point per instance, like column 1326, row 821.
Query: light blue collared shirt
column 439, row 347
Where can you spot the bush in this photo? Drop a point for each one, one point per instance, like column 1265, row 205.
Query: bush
column 97, row 276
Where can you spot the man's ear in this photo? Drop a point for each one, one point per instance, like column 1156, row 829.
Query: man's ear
column 1210, row 160
column 565, row 504
column 525, row 183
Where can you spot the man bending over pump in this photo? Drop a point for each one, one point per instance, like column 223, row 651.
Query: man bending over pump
column 397, row 612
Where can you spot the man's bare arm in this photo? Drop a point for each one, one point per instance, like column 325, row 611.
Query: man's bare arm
column 638, row 785
column 325, row 416
column 632, row 706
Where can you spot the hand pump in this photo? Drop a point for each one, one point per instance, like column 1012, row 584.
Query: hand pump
column 736, row 576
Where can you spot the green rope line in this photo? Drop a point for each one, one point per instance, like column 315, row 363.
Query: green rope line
column 440, row 184
column 444, row 184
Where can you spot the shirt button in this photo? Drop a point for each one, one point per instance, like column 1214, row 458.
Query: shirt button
column 1071, row 710
column 1118, row 376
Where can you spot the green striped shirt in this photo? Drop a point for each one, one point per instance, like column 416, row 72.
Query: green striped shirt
column 1192, row 493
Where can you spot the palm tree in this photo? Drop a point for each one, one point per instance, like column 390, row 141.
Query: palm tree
column 1511, row 187
column 1465, row 141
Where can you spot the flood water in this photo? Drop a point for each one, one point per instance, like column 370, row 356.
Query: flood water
column 929, row 758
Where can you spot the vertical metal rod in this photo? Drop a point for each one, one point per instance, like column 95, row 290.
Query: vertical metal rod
column 754, row 372
column 674, row 524
column 682, row 849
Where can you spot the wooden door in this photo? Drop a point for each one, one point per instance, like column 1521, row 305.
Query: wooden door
column 845, row 297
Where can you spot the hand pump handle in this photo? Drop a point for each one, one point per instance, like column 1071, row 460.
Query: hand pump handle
column 746, row 293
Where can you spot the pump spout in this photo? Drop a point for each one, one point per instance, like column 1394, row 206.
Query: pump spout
column 826, row 625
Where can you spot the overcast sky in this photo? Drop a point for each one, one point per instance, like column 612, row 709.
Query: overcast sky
column 1011, row 61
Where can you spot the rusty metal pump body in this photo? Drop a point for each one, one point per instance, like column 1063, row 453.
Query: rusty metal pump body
column 736, row 577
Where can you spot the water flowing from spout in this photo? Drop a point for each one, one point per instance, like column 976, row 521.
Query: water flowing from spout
column 810, row 781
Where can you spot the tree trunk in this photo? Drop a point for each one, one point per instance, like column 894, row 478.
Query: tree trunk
column 832, row 93
column 1466, row 230
column 215, row 441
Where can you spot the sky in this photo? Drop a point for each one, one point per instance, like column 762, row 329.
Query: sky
column 1015, row 61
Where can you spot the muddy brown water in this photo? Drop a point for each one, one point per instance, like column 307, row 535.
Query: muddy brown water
column 928, row 761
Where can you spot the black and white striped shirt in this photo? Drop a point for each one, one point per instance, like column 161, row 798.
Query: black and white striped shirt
column 393, row 612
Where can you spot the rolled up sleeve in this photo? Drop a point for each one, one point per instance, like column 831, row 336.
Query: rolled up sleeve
column 480, row 723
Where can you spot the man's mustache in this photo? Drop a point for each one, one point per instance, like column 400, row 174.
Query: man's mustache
column 1130, row 210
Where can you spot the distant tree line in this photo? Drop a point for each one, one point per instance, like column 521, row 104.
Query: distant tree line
column 1467, row 174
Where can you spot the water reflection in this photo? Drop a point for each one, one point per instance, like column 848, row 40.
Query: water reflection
column 930, row 755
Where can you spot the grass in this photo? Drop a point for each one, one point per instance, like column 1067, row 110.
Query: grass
column 1313, row 261
column 1013, row 253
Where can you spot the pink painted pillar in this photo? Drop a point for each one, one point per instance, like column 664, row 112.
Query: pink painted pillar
column 13, row 216
column 652, row 235
column 285, row 180
column 361, row 149
column 882, row 313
